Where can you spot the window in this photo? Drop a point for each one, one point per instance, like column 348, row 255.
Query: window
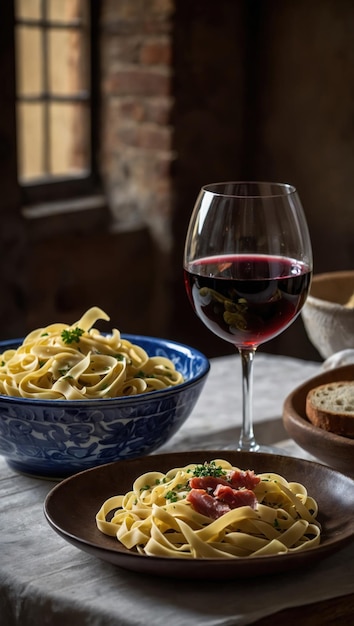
column 56, row 56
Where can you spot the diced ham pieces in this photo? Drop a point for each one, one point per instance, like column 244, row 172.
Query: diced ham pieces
column 215, row 496
column 207, row 482
column 235, row 497
column 207, row 505
column 237, row 480
column 247, row 479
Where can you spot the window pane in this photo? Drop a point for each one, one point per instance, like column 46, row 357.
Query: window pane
column 53, row 88
column 70, row 152
column 28, row 9
column 30, row 140
column 64, row 10
column 29, row 67
column 67, row 73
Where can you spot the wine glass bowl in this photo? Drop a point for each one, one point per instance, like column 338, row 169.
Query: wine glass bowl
column 247, row 269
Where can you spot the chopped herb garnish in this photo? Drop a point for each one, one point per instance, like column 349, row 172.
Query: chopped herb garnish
column 2, row 363
column 145, row 488
column 64, row 371
column 71, row 335
column 171, row 496
column 209, row 469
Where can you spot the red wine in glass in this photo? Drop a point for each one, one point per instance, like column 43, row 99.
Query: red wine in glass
column 247, row 270
column 247, row 299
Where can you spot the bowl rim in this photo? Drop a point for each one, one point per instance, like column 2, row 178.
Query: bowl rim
column 336, row 274
column 121, row 400
column 322, row 278
column 327, row 305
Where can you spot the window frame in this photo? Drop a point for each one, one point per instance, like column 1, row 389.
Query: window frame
column 62, row 189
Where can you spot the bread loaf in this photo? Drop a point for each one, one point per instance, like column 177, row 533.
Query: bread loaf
column 331, row 407
column 350, row 303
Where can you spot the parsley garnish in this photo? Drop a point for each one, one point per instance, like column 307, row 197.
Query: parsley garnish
column 142, row 374
column 209, row 469
column 71, row 335
column 64, row 370
column 171, row 496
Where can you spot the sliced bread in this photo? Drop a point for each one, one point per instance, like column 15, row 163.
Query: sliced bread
column 331, row 407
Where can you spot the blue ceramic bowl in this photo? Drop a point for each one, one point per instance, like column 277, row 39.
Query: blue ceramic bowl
column 56, row 438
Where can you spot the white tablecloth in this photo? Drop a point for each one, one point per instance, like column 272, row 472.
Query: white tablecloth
column 44, row 580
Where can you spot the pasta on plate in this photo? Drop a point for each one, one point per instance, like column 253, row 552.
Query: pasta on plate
column 212, row 511
column 78, row 362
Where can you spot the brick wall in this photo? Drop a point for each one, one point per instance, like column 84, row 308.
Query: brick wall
column 136, row 125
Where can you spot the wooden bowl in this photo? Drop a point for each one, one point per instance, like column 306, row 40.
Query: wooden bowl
column 328, row 322
column 334, row 450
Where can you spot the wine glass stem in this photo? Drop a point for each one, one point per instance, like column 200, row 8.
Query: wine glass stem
column 247, row 440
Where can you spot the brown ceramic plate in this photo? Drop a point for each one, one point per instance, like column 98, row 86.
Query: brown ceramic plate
column 332, row 449
column 71, row 507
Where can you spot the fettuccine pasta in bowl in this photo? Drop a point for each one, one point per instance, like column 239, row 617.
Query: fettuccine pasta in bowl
column 79, row 362
column 72, row 397
column 212, row 510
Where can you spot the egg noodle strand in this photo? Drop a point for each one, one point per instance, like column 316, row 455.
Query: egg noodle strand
column 78, row 362
column 156, row 519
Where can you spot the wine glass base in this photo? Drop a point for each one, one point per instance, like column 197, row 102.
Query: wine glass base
column 215, row 444
column 264, row 449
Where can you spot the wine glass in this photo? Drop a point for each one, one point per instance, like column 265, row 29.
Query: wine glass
column 247, row 270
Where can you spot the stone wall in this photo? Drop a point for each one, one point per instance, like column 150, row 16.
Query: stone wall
column 136, row 71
